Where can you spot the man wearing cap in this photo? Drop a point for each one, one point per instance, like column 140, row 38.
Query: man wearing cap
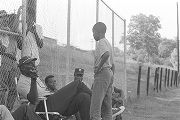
column 9, row 45
column 78, row 77
column 70, row 99
column 25, row 111
column 103, row 76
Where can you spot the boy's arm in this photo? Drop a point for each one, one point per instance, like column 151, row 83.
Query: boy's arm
column 104, row 58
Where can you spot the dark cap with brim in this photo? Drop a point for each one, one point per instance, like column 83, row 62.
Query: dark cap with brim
column 25, row 60
column 79, row 71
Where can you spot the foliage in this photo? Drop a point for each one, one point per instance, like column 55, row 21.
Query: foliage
column 166, row 47
column 174, row 58
column 143, row 33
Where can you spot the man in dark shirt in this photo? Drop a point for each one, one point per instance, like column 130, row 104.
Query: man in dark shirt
column 78, row 76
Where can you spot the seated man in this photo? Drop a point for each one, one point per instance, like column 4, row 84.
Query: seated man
column 70, row 99
column 51, row 83
column 24, row 112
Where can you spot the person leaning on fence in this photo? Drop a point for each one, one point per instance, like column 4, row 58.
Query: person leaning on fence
column 25, row 111
column 34, row 37
column 103, row 76
column 70, row 99
column 8, row 50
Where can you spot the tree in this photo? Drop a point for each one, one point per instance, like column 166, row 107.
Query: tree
column 143, row 33
column 174, row 58
column 166, row 47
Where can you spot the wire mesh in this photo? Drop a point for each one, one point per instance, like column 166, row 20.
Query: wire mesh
column 9, row 45
column 52, row 17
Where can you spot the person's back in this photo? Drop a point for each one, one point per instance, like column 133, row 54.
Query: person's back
column 34, row 37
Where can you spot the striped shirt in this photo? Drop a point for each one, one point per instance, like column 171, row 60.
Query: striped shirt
column 30, row 47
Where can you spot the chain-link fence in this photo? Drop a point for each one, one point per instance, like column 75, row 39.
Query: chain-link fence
column 68, row 39
column 74, row 46
column 9, row 45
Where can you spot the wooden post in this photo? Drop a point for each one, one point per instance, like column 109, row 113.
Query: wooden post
column 155, row 78
column 165, row 79
column 139, row 80
column 160, row 84
column 157, row 81
column 148, row 76
column 174, row 78
column 172, row 74
column 168, row 77
column 32, row 4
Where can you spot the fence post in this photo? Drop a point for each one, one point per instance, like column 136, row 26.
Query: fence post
column 168, row 77
column 165, row 80
column 139, row 80
column 148, row 76
column 155, row 79
column 176, row 78
column 172, row 74
column 160, row 79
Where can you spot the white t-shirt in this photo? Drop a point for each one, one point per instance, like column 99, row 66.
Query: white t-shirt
column 24, row 84
column 103, row 46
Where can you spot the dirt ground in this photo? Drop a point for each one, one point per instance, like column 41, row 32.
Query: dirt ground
column 161, row 106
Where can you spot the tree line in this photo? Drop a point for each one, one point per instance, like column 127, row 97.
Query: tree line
column 147, row 45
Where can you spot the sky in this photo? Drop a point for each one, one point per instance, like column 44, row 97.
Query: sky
column 52, row 16
column 165, row 10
